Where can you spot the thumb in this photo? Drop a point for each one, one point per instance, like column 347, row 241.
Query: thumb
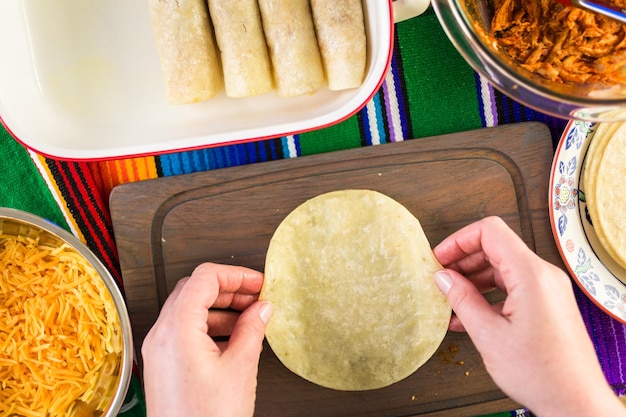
column 246, row 339
column 473, row 312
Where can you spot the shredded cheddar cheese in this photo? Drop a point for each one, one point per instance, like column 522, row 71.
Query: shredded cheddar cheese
column 59, row 331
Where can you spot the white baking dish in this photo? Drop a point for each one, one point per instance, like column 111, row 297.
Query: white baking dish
column 81, row 80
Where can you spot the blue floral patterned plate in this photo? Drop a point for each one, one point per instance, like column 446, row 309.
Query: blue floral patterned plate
column 588, row 263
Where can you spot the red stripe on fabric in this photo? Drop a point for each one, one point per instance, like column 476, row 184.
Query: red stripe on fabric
column 107, row 176
column 98, row 178
column 124, row 172
column 134, row 168
column 88, row 210
column 99, row 212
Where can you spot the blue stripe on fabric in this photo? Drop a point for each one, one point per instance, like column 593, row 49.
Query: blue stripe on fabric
column 376, row 123
column 507, row 107
column 285, row 143
column 170, row 164
column 291, row 146
column 366, row 126
column 267, row 148
column 509, row 110
column 268, row 145
column 222, row 157
column 397, row 79
column 401, row 89
column 275, row 146
column 379, row 106
column 518, row 112
column 296, row 140
column 196, row 161
column 250, row 153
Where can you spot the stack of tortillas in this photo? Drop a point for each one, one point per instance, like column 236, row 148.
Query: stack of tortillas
column 350, row 274
column 605, row 188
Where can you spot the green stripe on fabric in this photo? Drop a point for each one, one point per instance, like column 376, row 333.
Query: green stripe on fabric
column 343, row 135
column 27, row 190
column 436, row 88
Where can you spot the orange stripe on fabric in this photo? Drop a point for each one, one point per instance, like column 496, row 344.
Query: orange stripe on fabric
column 122, row 171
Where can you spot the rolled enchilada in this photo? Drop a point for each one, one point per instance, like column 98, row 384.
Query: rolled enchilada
column 187, row 50
column 340, row 31
column 245, row 60
column 294, row 52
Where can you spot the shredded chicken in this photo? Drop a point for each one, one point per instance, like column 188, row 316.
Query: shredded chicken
column 562, row 44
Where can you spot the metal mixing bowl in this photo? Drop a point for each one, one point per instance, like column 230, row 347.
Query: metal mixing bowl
column 19, row 223
column 466, row 23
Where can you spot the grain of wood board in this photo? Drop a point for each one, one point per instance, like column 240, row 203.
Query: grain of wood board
column 165, row 227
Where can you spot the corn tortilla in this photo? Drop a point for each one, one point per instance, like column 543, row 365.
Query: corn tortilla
column 601, row 137
column 605, row 190
column 350, row 274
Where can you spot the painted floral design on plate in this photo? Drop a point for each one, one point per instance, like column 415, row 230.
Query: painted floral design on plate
column 590, row 266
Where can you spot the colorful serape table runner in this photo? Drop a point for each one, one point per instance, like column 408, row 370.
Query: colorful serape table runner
column 430, row 90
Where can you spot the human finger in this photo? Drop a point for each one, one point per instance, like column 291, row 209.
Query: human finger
column 246, row 339
column 165, row 318
column 233, row 279
column 467, row 263
column 238, row 287
column 470, row 307
column 193, row 296
column 502, row 247
column 221, row 322
column 235, row 301
column 457, row 326
column 451, row 254
column 178, row 317
column 485, row 279
column 209, row 280
column 490, row 237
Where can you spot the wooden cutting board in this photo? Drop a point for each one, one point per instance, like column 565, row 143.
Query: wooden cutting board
column 165, row 227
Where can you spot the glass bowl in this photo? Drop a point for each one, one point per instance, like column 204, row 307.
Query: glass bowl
column 467, row 24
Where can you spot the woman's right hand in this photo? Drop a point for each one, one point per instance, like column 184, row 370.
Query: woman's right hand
column 534, row 344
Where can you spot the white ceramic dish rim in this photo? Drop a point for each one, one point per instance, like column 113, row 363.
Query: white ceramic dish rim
column 585, row 259
column 46, row 118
